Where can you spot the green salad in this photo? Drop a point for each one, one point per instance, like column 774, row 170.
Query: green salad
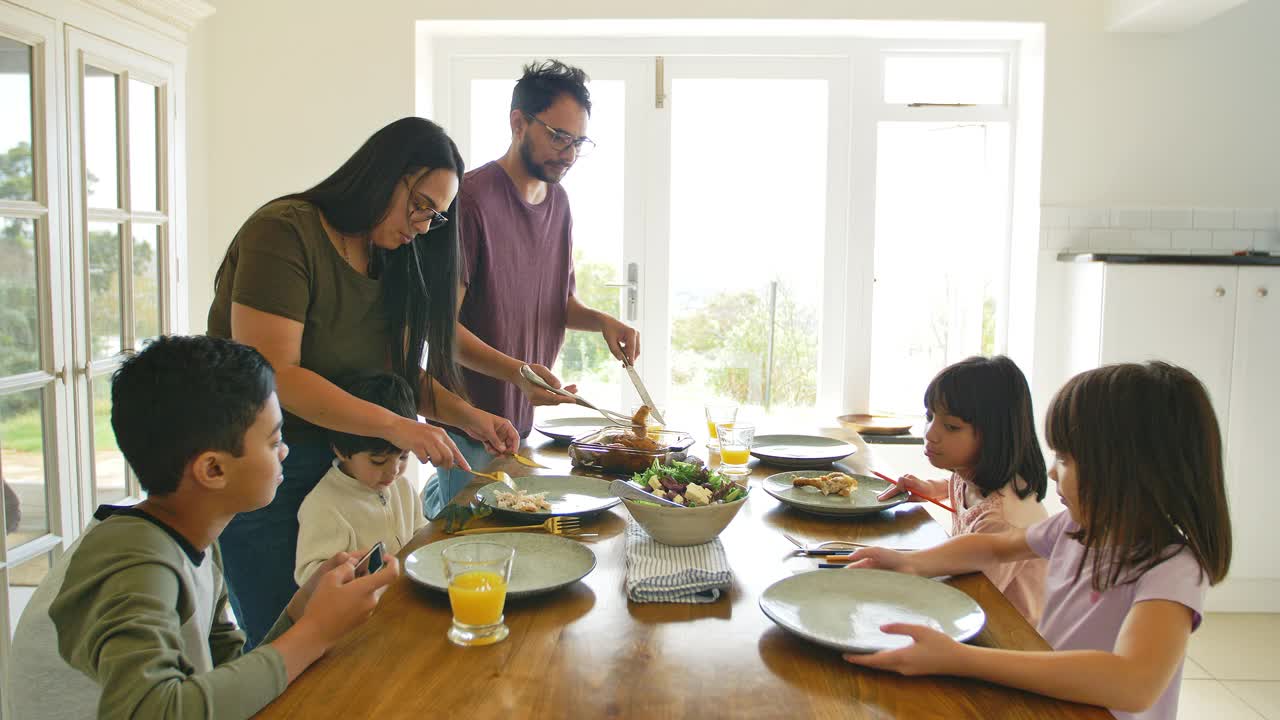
column 689, row 483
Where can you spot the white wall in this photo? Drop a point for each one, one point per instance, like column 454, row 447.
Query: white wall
column 283, row 91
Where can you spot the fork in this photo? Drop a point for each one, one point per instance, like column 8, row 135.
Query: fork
column 830, row 547
column 499, row 476
column 616, row 418
column 559, row 525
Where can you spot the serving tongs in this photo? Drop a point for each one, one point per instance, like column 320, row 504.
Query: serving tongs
column 615, row 418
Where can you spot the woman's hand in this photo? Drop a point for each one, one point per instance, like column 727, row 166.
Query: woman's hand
column 918, row 488
column 428, row 442
column 878, row 558
column 931, row 653
column 498, row 434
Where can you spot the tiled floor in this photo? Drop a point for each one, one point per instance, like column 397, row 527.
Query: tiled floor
column 1233, row 669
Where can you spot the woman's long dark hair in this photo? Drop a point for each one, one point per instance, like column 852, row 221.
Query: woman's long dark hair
column 992, row 395
column 1148, row 463
column 419, row 286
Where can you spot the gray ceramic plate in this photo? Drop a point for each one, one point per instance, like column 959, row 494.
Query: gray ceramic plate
column 800, row 451
column 862, row 501
column 564, row 430
column 844, row 609
column 568, row 495
column 543, row 562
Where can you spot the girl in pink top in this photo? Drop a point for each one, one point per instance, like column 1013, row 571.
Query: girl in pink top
column 981, row 428
column 1138, row 462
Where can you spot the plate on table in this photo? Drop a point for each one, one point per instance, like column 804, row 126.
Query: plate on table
column 844, row 609
column 543, row 563
column 800, row 451
column 876, row 424
column 564, row 430
column 568, row 495
column 861, row 501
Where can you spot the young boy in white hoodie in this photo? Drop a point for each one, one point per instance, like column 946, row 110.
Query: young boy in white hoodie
column 365, row 497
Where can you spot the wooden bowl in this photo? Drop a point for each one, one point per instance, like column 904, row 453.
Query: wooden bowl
column 865, row 424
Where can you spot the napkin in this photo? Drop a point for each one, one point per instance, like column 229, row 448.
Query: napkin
column 663, row 573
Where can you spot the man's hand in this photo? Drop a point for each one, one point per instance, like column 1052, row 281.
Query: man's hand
column 537, row 395
column 623, row 340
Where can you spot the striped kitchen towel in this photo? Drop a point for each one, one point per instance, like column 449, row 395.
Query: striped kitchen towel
column 663, row 573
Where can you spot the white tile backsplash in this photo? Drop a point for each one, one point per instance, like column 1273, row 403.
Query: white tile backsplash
column 1153, row 239
column 1215, row 219
column 1130, row 218
column 1267, row 241
column 1255, row 219
column 1192, row 239
column 1233, row 239
column 1173, row 230
column 1111, row 239
column 1171, row 218
column 1088, row 217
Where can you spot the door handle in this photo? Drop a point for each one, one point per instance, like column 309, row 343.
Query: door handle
column 633, row 289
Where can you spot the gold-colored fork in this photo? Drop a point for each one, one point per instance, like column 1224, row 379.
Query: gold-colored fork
column 498, row 476
column 559, row 525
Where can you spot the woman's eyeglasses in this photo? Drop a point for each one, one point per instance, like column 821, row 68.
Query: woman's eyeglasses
column 420, row 210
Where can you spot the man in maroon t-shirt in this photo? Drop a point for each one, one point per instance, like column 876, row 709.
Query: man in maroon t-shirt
column 516, row 269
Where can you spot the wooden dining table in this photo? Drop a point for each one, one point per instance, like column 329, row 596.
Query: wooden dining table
column 586, row 651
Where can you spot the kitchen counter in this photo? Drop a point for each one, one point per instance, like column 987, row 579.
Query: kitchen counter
column 1131, row 258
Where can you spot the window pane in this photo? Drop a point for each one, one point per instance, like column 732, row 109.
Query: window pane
column 941, row 248
column 976, row 79
column 100, row 138
column 19, row 297
column 15, row 121
column 146, row 282
column 143, row 172
column 106, row 323
column 108, row 462
column 736, row 263
column 23, row 581
column 22, row 466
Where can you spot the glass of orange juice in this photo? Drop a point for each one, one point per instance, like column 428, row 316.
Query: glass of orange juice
column 735, row 447
column 478, row 573
column 719, row 415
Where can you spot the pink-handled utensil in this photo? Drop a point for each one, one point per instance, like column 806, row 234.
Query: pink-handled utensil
column 895, row 483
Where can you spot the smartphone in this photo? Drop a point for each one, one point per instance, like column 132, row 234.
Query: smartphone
column 371, row 562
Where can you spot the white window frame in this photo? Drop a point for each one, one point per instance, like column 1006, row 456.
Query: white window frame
column 47, row 209
column 844, row 372
column 85, row 49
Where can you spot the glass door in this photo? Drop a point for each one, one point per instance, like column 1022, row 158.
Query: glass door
column 606, row 220
column 37, row 511
column 753, row 251
column 120, row 140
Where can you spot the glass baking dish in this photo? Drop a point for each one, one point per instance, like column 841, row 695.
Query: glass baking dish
column 597, row 452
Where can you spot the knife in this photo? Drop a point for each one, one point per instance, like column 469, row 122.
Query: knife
column 644, row 394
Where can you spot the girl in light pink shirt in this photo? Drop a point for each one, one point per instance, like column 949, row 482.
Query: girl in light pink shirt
column 1138, row 463
column 982, row 429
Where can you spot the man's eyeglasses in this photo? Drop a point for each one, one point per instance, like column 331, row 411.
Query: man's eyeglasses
column 561, row 140
column 419, row 210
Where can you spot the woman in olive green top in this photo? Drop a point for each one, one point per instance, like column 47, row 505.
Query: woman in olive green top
column 358, row 273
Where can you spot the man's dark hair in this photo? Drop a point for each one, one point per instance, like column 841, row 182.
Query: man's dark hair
column 184, row 395
column 545, row 81
column 384, row 390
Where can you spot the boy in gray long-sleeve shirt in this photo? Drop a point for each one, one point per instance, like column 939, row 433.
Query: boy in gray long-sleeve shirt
column 138, row 604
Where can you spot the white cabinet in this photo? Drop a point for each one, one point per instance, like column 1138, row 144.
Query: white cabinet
column 1254, row 436
column 1223, row 324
